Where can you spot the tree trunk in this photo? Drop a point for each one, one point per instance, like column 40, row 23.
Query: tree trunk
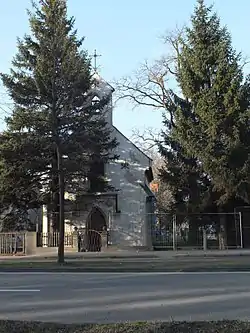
column 54, row 216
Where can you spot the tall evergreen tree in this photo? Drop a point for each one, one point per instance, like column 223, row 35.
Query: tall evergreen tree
column 207, row 149
column 17, row 196
column 189, row 185
column 214, row 128
column 50, row 84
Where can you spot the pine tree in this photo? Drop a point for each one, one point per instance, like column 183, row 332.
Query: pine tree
column 18, row 194
column 189, row 185
column 54, row 120
column 210, row 139
column 214, row 127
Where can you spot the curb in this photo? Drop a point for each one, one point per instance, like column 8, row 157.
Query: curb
column 125, row 270
column 208, row 255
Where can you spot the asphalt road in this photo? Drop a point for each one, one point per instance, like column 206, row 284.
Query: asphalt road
column 107, row 297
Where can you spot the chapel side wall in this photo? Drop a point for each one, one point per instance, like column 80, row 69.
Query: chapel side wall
column 128, row 228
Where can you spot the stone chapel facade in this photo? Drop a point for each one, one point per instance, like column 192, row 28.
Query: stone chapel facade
column 127, row 211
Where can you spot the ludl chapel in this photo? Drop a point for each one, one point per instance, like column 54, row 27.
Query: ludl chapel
column 126, row 213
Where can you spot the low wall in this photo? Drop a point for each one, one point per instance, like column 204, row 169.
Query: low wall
column 52, row 250
column 33, row 243
column 27, row 243
column 47, row 243
column 113, row 248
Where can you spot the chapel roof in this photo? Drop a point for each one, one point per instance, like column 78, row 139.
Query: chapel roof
column 101, row 85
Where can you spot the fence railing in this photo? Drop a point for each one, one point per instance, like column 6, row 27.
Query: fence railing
column 196, row 231
column 51, row 239
column 12, row 243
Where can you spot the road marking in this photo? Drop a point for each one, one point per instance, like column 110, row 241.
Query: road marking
column 125, row 273
column 19, row 290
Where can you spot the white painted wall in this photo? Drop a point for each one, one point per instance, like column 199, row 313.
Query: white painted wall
column 128, row 228
column 102, row 89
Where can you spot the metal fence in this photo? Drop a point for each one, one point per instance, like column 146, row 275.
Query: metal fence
column 51, row 239
column 12, row 243
column 196, row 231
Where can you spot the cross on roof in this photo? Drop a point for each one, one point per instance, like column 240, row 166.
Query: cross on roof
column 95, row 56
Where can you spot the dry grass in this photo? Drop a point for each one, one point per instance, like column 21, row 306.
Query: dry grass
column 143, row 327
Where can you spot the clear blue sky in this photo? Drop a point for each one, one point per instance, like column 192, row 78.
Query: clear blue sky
column 125, row 33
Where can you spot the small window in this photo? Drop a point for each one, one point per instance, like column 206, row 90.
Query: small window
column 96, row 100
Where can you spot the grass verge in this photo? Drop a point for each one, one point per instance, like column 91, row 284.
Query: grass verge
column 126, row 266
column 143, row 327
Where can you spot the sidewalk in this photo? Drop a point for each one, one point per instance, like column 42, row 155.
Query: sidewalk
column 87, row 255
column 202, row 253
column 135, row 255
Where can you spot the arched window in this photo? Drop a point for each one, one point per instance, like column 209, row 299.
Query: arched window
column 95, row 101
column 96, row 220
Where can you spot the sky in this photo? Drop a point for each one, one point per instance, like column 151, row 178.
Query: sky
column 125, row 33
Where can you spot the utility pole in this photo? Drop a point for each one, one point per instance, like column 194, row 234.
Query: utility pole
column 61, row 205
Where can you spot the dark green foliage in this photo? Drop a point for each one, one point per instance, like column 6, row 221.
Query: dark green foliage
column 189, row 184
column 50, row 84
column 19, row 192
column 214, row 127
column 207, row 144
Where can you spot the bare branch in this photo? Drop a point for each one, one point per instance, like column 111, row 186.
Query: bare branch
column 244, row 62
column 147, row 140
column 174, row 39
column 152, row 84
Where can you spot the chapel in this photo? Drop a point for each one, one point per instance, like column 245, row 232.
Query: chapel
column 125, row 212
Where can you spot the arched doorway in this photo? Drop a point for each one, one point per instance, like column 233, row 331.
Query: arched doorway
column 96, row 223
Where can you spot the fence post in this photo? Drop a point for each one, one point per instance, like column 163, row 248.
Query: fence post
column 75, row 240
column 241, row 231
column 104, row 239
column 174, row 232
column 204, row 234
column 30, row 243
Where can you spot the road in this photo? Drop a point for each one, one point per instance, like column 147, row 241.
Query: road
column 107, row 297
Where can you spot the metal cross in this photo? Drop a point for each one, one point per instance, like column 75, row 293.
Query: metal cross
column 95, row 55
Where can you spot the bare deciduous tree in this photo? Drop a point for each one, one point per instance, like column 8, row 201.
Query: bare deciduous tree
column 147, row 140
column 154, row 85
